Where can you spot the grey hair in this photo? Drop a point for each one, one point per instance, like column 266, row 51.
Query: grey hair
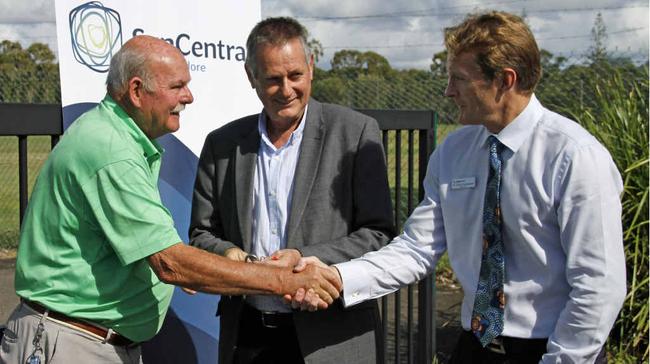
column 127, row 63
column 275, row 31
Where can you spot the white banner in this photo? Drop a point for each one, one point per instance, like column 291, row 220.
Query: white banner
column 212, row 36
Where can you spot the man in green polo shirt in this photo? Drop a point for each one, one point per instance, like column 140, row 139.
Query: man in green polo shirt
column 98, row 250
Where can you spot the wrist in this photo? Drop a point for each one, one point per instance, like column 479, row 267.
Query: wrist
column 338, row 274
column 283, row 279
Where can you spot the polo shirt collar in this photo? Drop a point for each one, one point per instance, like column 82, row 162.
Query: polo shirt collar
column 151, row 148
column 520, row 128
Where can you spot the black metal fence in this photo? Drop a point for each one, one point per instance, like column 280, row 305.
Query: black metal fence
column 408, row 322
column 23, row 120
column 408, row 138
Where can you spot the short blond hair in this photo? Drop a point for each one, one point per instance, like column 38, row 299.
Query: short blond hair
column 499, row 40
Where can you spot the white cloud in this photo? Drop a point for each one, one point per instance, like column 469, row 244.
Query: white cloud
column 12, row 11
column 31, row 21
column 28, row 22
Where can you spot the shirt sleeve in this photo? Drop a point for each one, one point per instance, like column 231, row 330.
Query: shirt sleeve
column 124, row 202
column 408, row 258
column 589, row 218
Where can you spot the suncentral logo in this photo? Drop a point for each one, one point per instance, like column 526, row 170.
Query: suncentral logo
column 96, row 33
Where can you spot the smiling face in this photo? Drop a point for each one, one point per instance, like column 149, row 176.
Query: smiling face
column 474, row 94
column 160, row 108
column 282, row 80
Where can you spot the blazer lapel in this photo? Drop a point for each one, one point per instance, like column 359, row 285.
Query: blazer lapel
column 245, row 160
column 307, row 168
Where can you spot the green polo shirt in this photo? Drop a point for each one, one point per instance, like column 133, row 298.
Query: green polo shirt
column 94, row 215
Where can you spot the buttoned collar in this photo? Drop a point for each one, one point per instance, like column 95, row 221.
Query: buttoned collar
column 519, row 129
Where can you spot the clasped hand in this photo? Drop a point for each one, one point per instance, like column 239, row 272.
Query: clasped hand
column 310, row 300
column 314, row 285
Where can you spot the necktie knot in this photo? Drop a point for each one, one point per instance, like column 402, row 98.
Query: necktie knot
column 495, row 147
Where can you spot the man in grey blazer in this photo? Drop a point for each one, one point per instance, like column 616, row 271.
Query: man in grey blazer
column 300, row 178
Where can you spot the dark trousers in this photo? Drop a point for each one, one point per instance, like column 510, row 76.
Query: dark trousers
column 517, row 351
column 266, row 340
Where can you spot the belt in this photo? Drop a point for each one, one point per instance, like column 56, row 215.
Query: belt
column 269, row 320
column 112, row 338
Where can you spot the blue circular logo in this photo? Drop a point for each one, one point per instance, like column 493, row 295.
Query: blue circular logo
column 96, row 34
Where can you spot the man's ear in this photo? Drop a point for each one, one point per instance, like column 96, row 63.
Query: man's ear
column 508, row 79
column 311, row 67
column 136, row 91
column 249, row 74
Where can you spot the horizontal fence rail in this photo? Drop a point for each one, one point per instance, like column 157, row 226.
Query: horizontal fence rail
column 23, row 120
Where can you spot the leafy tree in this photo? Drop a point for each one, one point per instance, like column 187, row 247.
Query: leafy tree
column 353, row 63
column 598, row 51
column 439, row 64
column 316, row 49
column 28, row 75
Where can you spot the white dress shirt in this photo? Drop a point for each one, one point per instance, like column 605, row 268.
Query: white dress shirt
column 273, row 187
column 560, row 203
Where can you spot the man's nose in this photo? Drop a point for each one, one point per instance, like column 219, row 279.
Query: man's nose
column 449, row 91
column 187, row 97
column 285, row 88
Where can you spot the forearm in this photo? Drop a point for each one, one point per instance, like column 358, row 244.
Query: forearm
column 206, row 272
column 584, row 324
column 190, row 267
column 402, row 262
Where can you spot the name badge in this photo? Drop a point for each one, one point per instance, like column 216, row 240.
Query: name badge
column 460, row 183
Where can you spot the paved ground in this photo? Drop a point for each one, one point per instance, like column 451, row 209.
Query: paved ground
column 448, row 302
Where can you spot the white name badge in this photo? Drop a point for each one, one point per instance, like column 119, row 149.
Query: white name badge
column 460, row 183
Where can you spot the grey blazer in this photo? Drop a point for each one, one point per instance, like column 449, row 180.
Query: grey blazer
column 340, row 210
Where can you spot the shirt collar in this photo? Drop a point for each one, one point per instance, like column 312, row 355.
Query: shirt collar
column 151, row 148
column 520, row 128
column 296, row 135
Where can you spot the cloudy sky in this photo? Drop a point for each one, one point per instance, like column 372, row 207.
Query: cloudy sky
column 406, row 32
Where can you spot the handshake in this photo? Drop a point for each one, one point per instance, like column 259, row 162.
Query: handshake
column 304, row 283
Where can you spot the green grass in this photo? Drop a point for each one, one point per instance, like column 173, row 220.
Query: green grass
column 38, row 148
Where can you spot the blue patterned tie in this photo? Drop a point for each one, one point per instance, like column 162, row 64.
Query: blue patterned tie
column 487, row 317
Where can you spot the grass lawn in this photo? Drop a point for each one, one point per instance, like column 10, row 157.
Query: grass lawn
column 38, row 148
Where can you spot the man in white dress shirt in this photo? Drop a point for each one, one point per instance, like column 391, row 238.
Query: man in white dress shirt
column 558, row 210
